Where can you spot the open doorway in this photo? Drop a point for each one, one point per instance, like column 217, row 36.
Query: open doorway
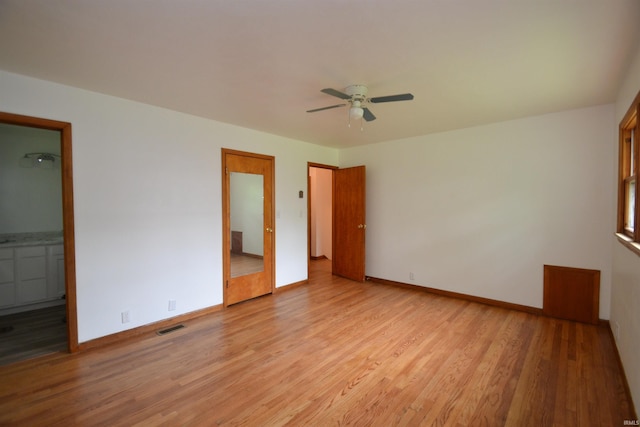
column 320, row 190
column 37, row 259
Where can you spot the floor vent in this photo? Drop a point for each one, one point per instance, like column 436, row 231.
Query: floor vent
column 168, row 330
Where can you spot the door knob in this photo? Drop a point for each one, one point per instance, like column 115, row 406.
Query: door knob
column 362, row 225
column 269, row 229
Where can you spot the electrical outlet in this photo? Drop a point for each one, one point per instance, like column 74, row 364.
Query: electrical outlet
column 411, row 277
column 125, row 316
column 616, row 330
column 172, row 304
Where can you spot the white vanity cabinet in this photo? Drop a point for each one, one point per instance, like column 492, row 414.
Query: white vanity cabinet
column 31, row 277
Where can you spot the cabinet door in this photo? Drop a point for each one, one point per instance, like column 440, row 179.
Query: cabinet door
column 55, row 275
column 32, row 268
column 31, row 274
column 6, row 270
column 6, row 265
column 59, row 279
column 7, row 294
column 7, row 276
column 32, row 290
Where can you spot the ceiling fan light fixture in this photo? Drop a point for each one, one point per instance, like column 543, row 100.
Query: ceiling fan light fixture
column 356, row 112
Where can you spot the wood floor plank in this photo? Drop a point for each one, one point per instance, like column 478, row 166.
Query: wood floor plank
column 333, row 352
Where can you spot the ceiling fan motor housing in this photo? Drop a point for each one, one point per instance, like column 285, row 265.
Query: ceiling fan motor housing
column 357, row 92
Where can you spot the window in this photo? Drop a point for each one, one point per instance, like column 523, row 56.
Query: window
column 628, row 200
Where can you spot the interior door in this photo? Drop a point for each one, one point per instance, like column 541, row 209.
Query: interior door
column 248, row 228
column 349, row 222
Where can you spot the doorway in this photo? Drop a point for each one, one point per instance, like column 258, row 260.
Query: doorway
column 348, row 219
column 248, row 226
column 61, row 265
column 320, row 218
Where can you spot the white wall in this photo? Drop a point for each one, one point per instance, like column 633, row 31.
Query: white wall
column 321, row 211
column 147, row 191
column 625, row 289
column 30, row 198
column 479, row 211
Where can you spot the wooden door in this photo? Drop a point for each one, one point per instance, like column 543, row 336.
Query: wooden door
column 247, row 201
column 349, row 224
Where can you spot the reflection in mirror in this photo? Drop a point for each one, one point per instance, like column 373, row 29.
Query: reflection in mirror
column 247, row 223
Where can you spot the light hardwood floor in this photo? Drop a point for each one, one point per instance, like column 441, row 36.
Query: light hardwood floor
column 333, row 352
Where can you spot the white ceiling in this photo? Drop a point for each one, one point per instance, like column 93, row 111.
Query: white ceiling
column 261, row 64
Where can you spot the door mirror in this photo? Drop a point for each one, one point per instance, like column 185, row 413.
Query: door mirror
column 246, row 211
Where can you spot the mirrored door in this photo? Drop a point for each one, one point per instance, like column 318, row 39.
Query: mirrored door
column 248, row 225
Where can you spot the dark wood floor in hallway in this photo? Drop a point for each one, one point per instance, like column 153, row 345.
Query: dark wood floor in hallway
column 32, row 334
column 333, row 352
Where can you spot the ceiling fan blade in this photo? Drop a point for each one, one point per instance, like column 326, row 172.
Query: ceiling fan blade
column 335, row 93
column 368, row 115
column 325, row 108
column 391, row 98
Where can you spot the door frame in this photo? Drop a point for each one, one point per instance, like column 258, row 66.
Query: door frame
column 309, row 196
column 67, row 214
column 226, row 226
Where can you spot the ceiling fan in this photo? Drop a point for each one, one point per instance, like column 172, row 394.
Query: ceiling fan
column 356, row 97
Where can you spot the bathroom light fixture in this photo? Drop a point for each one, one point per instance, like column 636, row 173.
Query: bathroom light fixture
column 39, row 160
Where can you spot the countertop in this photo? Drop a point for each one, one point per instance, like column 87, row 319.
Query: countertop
column 11, row 240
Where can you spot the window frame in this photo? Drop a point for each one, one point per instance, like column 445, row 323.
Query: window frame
column 629, row 171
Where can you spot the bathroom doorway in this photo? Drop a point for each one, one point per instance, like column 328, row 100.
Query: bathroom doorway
column 37, row 280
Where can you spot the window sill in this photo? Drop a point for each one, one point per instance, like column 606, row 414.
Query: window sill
column 631, row 245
